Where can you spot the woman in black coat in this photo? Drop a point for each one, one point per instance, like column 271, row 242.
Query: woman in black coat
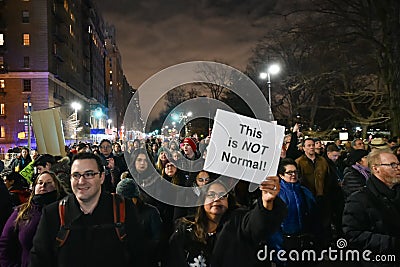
column 222, row 234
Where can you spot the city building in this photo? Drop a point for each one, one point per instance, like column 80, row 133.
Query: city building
column 52, row 53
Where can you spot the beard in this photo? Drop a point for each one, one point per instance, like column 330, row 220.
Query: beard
column 393, row 180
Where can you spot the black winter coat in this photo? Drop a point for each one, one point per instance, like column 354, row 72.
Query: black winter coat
column 353, row 181
column 371, row 221
column 92, row 240
column 236, row 242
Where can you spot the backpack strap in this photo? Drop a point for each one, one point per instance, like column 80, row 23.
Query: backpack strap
column 119, row 216
column 63, row 232
column 119, row 219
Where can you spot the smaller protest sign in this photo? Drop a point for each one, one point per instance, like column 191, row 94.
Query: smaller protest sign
column 244, row 148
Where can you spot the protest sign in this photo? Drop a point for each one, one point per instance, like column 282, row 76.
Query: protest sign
column 48, row 131
column 244, row 148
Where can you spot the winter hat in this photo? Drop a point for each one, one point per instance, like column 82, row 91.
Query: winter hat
column 378, row 143
column 356, row 155
column 128, row 188
column 191, row 143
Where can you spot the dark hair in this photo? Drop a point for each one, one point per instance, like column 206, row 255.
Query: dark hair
column 283, row 163
column 332, row 148
column 82, row 146
column 42, row 160
column 16, row 177
column 104, row 140
column 132, row 161
column 308, row 139
column 88, row 155
column 200, row 223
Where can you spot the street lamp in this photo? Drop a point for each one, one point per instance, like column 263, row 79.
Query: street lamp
column 184, row 117
column 76, row 106
column 272, row 70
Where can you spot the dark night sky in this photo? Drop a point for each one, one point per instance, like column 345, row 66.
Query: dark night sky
column 155, row 34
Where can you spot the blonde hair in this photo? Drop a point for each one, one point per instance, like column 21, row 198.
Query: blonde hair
column 374, row 157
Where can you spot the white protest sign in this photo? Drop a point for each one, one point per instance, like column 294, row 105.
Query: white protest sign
column 243, row 147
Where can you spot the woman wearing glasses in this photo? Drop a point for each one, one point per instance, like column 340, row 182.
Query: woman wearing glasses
column 202, row 178
column 172, row 174
column 16, row 239
column 221, row 234
column 298, row 229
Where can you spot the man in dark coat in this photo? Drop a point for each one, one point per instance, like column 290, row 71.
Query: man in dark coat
column 92, row 240
column 371, row 216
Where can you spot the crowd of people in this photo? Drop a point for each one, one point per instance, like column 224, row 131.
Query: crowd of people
column 66, row 211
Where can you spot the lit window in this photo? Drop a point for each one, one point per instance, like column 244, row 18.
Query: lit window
column 2, row 109
column 2, row 132
column 27, row 85
column 25, row 16
column 2, row 84
column 71, row 30
column 1, row 39
column 26, row 39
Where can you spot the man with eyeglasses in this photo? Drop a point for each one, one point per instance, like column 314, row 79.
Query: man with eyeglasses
column 371, row 217
column 89, row 217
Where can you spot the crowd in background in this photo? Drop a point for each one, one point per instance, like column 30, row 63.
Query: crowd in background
column 315, row 179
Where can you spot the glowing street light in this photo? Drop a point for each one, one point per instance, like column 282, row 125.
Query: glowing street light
column 272, row 70
column 184, row 117
column 76, row 106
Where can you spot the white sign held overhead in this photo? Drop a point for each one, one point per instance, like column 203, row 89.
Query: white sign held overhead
column 243, row 147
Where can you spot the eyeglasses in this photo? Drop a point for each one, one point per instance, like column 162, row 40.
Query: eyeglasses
column 105, row 147
column 291, row 172
column 394, row 165
column 220, row 195
column 202, row 180
column 86, row 175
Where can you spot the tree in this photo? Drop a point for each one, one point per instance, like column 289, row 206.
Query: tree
column 324, row 65
column 376, row 22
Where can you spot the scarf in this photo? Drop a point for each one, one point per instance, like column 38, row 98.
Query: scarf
column 44, row 199
column 365, row 171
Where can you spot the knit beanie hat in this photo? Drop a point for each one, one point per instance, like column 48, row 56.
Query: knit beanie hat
column 191, row 143
column 356, row 155
column 128, row 188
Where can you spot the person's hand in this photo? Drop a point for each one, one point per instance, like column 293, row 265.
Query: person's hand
column 269, row 190
column 296, row 128
column 111, row 163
